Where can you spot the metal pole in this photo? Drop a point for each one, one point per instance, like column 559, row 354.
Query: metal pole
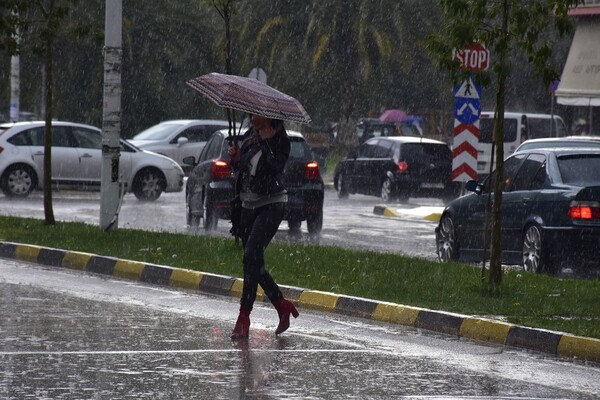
column 111, row 117
column 14, row 87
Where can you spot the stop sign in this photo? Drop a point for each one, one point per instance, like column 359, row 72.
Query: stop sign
column 474, row 57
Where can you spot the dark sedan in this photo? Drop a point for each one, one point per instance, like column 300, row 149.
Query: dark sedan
column 209, row 188
column 550, row 213
column 398, row 167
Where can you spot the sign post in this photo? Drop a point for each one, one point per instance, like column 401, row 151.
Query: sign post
column 467, row 109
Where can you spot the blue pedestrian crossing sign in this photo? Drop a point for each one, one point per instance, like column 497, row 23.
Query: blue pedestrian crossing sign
column 467, row 108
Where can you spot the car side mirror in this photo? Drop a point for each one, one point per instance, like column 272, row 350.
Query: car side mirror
column 473, row 186
column 189, row 160
column 182, row 140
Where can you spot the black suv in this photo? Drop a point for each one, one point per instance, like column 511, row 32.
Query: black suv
column 209, row 187
column 398, row 167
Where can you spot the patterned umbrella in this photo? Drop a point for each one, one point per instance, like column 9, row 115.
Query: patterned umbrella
column 249, row 95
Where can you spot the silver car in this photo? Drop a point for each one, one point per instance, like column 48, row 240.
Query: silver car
column 178, row 139
column 77, row 161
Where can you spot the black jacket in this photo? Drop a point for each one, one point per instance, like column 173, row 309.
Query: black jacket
column 269, row 171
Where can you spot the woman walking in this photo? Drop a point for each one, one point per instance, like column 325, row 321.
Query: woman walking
column 259, row 166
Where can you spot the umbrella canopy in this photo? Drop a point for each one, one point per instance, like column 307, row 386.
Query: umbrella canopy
column 393, row 115
column 249, row 95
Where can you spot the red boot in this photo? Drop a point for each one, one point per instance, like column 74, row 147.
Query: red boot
column 242, row 325
column 284, row 309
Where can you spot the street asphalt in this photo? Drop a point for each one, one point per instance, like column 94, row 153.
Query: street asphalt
column 480, row 329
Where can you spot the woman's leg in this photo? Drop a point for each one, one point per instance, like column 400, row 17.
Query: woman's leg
column 264, row 225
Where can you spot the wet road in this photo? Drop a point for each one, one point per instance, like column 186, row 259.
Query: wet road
column 347, row 223
column 71, row 335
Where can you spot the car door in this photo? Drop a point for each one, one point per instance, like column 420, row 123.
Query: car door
column 474, row 228
column 88, row 143
column 65, row 159
column 360, row 177
column 378, row 165
column 518, row 200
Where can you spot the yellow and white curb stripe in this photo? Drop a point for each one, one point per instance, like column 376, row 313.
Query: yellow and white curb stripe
column 426, row 213
column 480, row 329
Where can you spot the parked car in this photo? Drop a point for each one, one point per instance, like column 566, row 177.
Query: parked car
column 77, row 161
column 178, row 139
column 567, row 141
column 209, row 188
column 397, row 167
column 367, row 128
column 550, row 212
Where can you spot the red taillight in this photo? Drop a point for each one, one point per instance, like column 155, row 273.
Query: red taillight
column 584, row 210
column 220, row 170
column 311, row 171
column 1, row 149
column 402, row 166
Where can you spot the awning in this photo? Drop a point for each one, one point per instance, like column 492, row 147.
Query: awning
column 580, row 80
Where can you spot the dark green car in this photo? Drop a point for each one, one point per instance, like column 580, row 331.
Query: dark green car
column 550, row 213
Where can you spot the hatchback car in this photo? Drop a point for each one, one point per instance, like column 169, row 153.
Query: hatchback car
column 178, row 139
column 567, row 141
column 77, row 161
column 397, row 167
column 209, row 188
column 550, row 212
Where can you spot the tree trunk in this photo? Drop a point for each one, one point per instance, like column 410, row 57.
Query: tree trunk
column 495, row 256
column 48, row 211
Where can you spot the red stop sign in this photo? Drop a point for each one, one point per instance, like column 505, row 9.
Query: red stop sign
column 474, row 57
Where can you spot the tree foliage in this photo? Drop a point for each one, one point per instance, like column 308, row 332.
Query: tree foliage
column 342, row 60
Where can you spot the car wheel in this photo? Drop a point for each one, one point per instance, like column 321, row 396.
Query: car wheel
column 210, row 217
column 342, row 187
column 148, row 185
column 387, row 190
column 535, row 257
column 446, row 241
column 294, row 226
column 314, row 222
column 18, row 181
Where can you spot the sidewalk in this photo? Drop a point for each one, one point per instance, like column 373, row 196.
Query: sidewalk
column 471, row 327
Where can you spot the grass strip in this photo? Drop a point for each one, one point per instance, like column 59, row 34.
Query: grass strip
column 567, row 305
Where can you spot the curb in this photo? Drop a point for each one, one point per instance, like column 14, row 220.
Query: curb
column 427, row 213
column 480, row 329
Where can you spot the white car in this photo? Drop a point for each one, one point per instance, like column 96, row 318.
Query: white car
column 77, row 161
column 178, row 139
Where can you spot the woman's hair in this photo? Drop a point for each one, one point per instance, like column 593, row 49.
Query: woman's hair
column 279, row 126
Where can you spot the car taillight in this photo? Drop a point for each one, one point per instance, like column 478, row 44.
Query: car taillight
column 311, row 170
column 220, row 170
column 1, row 149
column 584, row 210
column 402, row 166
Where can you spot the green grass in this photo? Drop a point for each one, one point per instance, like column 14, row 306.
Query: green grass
column 568, row 305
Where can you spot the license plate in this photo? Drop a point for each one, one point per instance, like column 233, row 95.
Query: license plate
column 427, row 185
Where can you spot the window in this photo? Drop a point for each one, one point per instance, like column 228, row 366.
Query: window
column 529, row 171
column 367, row 150
column 87, row 138
column 383, row 149
column 511, row 166
column 486, row 130
column 580, row 169
column 60, row 136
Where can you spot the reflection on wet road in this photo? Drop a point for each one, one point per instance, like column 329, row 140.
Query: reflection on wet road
column 70, row 335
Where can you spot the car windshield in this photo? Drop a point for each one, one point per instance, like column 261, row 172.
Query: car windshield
column 580, row 169
column 157, row 132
